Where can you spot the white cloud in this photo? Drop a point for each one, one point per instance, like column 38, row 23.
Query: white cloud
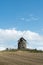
column 7, row 36
column 29, row 18
column 2, row 48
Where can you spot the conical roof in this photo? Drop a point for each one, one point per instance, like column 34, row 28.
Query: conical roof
column 21, row 39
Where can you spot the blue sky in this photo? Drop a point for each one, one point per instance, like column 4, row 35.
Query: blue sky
column 21, row 15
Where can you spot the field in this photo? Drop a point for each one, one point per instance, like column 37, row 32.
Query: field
column 21, row 58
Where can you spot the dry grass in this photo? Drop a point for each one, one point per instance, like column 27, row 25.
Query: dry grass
column 21, row 58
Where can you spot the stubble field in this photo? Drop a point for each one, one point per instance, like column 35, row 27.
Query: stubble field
column 21, row 58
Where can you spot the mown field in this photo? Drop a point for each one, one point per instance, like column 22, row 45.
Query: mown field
column 21, row 58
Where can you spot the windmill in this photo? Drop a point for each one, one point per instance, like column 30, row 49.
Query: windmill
column 21, row 43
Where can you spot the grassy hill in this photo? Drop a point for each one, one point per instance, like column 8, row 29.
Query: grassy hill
column 20, row 57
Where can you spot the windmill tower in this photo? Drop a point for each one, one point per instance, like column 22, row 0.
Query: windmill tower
column 21, row 43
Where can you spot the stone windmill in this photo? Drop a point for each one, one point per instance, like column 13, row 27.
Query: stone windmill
column 21, row 43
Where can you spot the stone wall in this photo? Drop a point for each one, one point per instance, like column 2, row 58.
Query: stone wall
column 21, row 43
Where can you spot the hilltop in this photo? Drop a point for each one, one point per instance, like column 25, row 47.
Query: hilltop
column 20, row 57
